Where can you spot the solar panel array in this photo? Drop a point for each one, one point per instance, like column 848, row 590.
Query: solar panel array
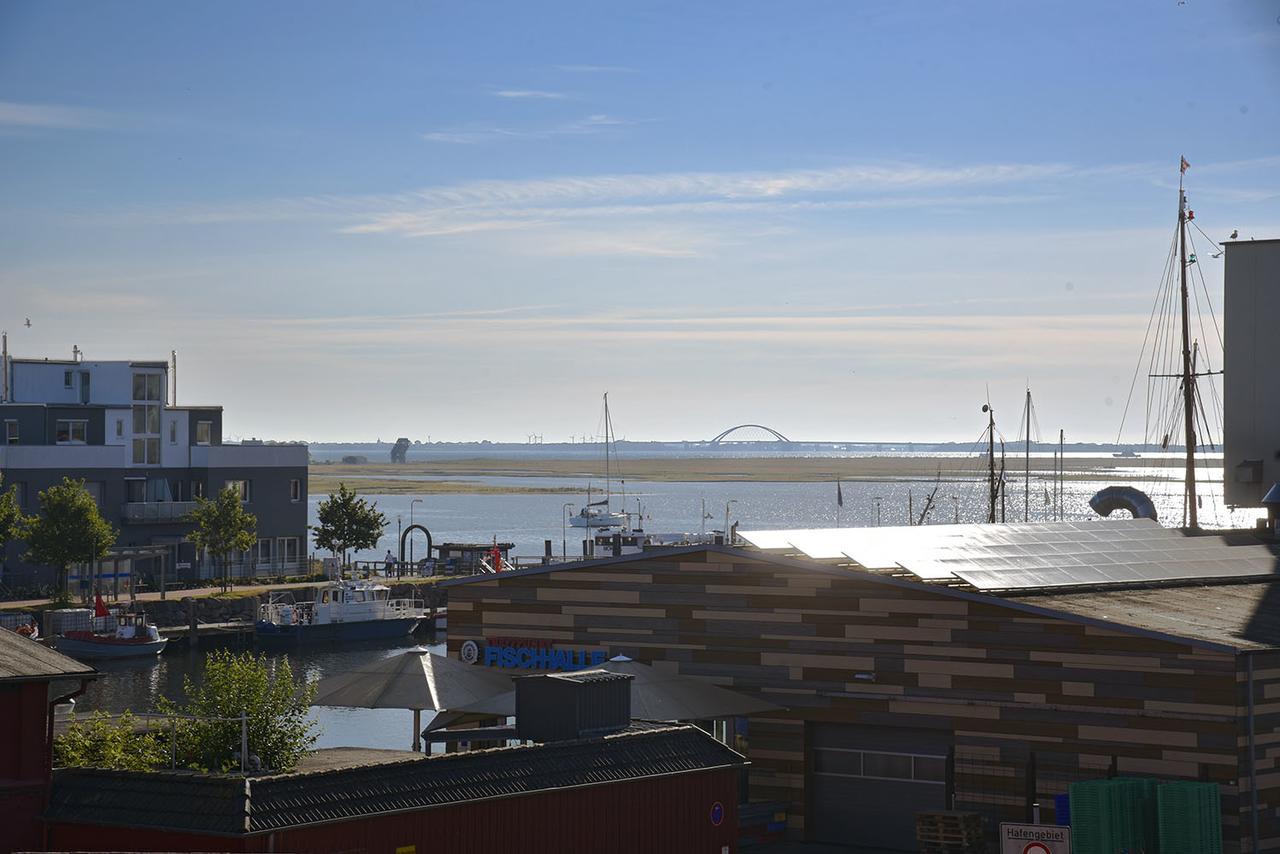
column 1030, row 556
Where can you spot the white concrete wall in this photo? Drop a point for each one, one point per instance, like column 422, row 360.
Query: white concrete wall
column 109, row 382
column 1251, row 366
column 125, row 417
column 174, row 454
column 68, row 457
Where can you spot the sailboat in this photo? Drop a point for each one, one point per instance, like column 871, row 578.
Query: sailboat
column 1186, row 410
column 599, row 514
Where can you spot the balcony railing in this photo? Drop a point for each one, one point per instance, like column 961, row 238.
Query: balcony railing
column 141, row 512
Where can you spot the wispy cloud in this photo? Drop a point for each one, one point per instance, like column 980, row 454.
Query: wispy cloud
column 530, row 94
column 596, row 69
column 593, row 124
column 51, row 116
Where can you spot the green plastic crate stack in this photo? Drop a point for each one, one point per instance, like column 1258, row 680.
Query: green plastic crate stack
column 1190, row 818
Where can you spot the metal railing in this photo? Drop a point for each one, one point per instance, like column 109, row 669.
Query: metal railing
column 156, row 511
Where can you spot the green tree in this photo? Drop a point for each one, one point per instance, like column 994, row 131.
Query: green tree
column 348, row 522
column 279, row 732
column 12, row 523
column 222, row 526
column 69, row 529
column 100, row 742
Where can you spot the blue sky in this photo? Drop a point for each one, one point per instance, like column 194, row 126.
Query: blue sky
column 845, row 220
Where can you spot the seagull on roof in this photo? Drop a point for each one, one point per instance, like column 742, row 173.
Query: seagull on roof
column 1235, row 232
column 28, row 323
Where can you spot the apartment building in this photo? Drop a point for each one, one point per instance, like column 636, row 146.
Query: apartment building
column 145, row 460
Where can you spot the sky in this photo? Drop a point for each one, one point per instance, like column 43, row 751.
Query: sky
column 458, row 221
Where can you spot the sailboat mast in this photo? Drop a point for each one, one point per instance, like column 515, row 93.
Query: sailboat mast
column 1188, row 376
column 608, row 489
column 1026, row 496
column 991, row 462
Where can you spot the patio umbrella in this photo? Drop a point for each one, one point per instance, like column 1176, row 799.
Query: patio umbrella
column 661, row 696
column 416, row 679
column 655, row 696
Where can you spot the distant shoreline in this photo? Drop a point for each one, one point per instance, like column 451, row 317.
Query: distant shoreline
column 451, row 475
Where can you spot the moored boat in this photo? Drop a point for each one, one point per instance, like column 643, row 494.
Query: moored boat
column 132, row 637
column 339, row 611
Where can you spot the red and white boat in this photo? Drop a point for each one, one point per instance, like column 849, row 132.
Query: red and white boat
column 132, row 636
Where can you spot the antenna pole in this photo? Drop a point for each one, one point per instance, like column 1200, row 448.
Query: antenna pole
column 1188, row 378
column 4, row 364
column 173, row 355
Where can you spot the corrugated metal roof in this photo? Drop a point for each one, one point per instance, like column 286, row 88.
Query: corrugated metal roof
column 224, row 805
column 24, row 660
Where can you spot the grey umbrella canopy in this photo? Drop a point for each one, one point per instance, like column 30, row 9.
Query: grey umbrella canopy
column 655, row 696
column 416, row 679
column 659, row 696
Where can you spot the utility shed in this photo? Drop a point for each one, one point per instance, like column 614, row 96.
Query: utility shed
column 908, row 691
column 1251, row 370
column 32, row 678
column 642, row 790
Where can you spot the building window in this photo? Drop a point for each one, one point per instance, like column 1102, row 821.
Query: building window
column 877, row 765
column 20, row 493
column 287, row 549
column 204, row 432
column 146, row 452
column 119, row 428
column 173, row 432
column 11, row 432
column 146, row 419
column 243, row 488
column 197, row 489
column 71, row 432
column 135, row 490
column 264, row 551
column 67, row 379
column 295, row 490
column 147, row 387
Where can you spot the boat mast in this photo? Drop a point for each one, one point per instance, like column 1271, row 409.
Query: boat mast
column 1026, row 496
column 608, row 490
column 1188, row 378
column 991, row 462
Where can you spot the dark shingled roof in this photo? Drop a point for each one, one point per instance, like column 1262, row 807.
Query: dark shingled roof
column 226, row 805
column 24, row 660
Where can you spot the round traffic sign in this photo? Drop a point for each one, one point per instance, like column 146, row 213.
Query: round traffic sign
column 717, row 813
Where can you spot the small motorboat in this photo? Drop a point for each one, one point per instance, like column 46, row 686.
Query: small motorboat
column 132, row 637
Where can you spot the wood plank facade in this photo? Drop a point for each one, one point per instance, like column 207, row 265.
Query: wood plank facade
column 1028, row 698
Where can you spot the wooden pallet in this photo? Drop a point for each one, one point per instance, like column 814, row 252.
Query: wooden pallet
column 950, row 832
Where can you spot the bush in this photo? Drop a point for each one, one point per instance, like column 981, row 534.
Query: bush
column 279, row 732
column 100, row 742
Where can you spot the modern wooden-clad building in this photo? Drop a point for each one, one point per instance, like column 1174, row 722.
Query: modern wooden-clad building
column 907, row 691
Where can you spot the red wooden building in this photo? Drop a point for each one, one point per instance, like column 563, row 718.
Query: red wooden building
column 33, row 679
column 645, row 789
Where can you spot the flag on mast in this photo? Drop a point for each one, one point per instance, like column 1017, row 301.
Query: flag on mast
column 1185, row 166
column 839, row 495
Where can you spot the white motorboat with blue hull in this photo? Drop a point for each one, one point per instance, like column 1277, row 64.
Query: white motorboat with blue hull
column 340, row 611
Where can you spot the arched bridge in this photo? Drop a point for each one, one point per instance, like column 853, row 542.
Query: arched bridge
column 777, row 437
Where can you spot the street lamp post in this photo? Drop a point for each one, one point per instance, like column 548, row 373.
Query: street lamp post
column 565, row 510
column 877, row 500
column 411, row 503
column 729, row 503
column 955, row 499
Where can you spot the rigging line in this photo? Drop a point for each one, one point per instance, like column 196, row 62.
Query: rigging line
column 1204, row 336
column 1138, row 368
column 1159, row 401
column 1204, row 286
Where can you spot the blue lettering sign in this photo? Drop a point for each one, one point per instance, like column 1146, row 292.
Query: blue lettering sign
column 542, row 658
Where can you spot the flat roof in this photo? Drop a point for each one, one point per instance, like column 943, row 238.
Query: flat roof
column 1247, row 242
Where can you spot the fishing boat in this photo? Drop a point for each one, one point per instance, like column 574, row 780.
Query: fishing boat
column 338, row 611
column 599, row 514
column 131, row 637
